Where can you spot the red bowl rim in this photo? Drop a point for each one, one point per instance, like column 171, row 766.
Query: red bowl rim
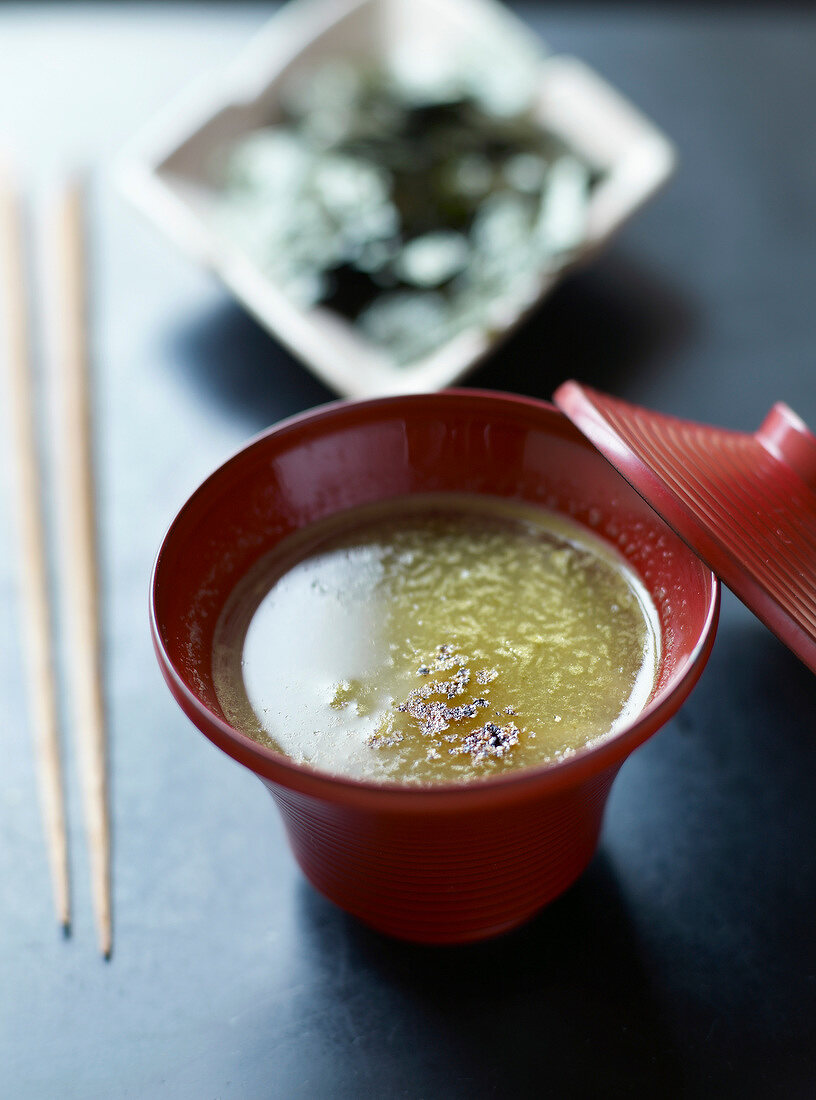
column 537, row 781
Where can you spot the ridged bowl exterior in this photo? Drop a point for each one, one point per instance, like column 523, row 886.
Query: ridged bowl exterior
column 451, row 877
column 437, row 864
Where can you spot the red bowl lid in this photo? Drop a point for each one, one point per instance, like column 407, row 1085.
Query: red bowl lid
column 746, row 504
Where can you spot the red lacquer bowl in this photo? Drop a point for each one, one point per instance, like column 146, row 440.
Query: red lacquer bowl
column 444, row 864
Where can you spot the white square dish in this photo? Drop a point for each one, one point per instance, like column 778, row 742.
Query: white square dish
column 166, row 171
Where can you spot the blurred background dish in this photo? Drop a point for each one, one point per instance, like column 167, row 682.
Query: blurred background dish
column 389, row 186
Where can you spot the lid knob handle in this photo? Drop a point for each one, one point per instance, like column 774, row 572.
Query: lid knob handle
column 786, row 436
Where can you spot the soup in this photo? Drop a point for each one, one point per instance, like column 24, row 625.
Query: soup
column 436, row 639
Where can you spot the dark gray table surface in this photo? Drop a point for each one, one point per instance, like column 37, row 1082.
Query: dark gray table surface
column 683, row 962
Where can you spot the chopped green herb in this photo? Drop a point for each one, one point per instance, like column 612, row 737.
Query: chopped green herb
column 416, row 204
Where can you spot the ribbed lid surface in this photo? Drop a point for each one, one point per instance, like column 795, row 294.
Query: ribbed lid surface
column 746, row 504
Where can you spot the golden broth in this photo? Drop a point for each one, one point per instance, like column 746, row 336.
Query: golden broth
column 436, row 639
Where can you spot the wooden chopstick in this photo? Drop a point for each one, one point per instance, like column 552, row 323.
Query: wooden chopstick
column 34, row 586
column 80, row 574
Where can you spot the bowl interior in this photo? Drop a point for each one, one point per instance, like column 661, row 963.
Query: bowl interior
column 346, row 455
